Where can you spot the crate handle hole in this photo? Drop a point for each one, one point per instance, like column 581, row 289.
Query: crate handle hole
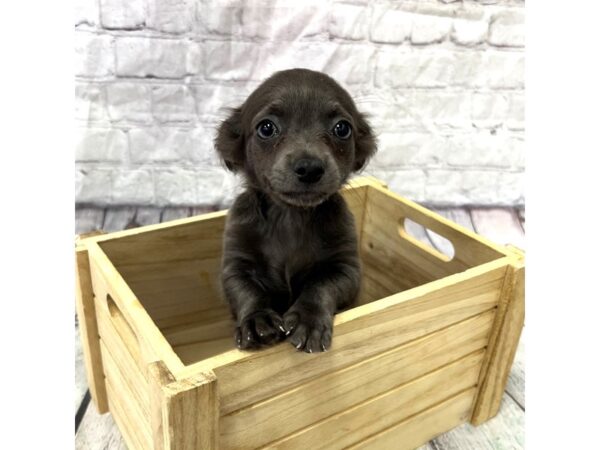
column 421, row 237
column 121, row 325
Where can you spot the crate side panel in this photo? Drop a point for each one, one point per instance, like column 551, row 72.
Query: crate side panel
column 134, row 427
column 332, row 393
column 383, row 243
column 373, row 329
column 376, row 414
column 420, row 428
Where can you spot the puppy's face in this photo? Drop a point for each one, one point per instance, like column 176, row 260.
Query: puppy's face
column 297, row 137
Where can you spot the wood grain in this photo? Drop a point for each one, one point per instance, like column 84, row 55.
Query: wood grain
column 421, row 427
column 374, row 415
column 503, row 345
column 335, row 392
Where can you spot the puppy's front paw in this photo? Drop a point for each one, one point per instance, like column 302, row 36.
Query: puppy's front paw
column 264, row 327
column 308, row 331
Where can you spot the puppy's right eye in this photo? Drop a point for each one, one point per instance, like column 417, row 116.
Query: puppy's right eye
column 266, row 129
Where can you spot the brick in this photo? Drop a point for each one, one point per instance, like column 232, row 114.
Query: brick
column 308, row 55
column 147, row 57
column 122, row 14
column 213, row 101
column 405, row 148
column 230, row 60
column 86, row 12
column 469, row 69
column 465, row 187
column 94, row 55
column 210, row 186
column 170, row 16
column 176, row 186
column 421, row 68
column 348, row 22
column 90, row 102
column 389, row 25
column 93, row 185
column 168, row 145
column 469, row 32
column 133, row 187
column 100, row 144
column 486, row 149
column 489, row 109
column 351, row 64
column 507, row 29
column 129, row 102
column 221, row 18
column 429, row 29
column 283, row 20
column 516, row 111
column 504, row 69
column 409, row 183
column 510, row 189
column 442, row 108
column 173, row 103
column 233, row 185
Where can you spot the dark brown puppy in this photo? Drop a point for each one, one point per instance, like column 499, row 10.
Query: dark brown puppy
column 290, row 256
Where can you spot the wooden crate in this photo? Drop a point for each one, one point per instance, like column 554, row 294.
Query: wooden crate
column 428, row 347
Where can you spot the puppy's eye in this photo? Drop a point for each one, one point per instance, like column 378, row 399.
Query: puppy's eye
column 266, row 129
column 342, row 129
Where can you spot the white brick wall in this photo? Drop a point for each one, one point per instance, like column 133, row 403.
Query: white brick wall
column 442, row 81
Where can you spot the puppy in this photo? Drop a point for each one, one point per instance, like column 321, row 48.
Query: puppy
column 290, row 257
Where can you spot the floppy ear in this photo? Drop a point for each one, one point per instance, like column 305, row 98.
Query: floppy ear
column 365, row 143
column 229, row 142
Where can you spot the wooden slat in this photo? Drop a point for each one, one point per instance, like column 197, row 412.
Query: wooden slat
column 99, row 432
column 394, row 320
column 130, row 381
column 118, row 218
column 169, row 214
column 423, row 426
column 88, row 330
column 500, row 225
column 135, row 433
column 147, row 215
column 503, row 345
column 337, row 391
column 107, row 281
column 376, row 414
column 506, row 431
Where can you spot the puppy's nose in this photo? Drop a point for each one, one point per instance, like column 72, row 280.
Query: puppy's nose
column 309, row 170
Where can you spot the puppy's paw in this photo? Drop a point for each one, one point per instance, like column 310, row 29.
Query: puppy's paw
column 261, row 328
column 308, row 331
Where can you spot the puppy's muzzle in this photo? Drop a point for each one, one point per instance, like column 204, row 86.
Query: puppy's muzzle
column 309, row 170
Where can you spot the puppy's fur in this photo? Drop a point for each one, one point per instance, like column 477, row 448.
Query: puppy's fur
column 290, row 256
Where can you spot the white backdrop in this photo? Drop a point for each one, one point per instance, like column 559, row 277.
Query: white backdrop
column 441, row 80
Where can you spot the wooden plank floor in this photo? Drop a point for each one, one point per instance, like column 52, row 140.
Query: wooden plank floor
column 502, row 225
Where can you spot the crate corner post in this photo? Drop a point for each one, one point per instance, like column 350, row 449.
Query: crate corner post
column 88, row 328
column 184, row 412
column 503, row 342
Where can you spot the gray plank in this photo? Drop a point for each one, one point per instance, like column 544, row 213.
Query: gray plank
column 147, row 215
column 80, row 378
column 175, row 213
column 515, row 385
column 98, row 432
column 118, row 218
column 417, row 231
column 506, row 431
column 500, row 225
column 88, row 219
column 198, row 210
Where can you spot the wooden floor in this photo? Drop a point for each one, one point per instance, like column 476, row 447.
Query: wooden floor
column 501, row 225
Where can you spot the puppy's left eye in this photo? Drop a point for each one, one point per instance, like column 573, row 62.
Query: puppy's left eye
column 266, row 129
column 342, row 129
